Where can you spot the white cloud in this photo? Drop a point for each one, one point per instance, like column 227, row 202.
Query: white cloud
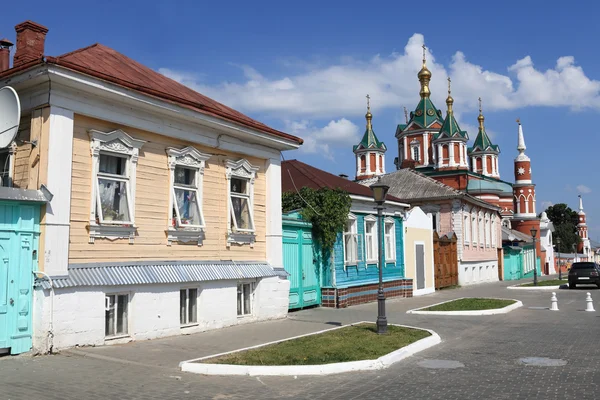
column 583, row 189
column 546, row 204
column 338, row 133
column 315, row 90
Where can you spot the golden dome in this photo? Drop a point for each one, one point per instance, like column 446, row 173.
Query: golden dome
column 424, row 76
column 424, row 73
column 480, row 118
column 449, row 99
column 368, row 115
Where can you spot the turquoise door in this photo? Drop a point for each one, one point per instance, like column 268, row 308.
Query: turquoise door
column 19, row 231
column 299, row 262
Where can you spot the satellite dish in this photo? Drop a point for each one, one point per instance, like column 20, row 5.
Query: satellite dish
column 10, row 115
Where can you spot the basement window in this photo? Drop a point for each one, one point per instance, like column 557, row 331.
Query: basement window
column 116, row 315
column 245, row 293
column 188, row 306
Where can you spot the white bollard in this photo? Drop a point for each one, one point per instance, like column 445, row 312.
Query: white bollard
column 590, row 303
column 553, row 302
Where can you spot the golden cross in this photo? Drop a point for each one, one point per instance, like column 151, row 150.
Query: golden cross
column 368, row 103
column 449, row 81
column 424, row 48
column 406, row 115
column 479, row 105
column 519, row 121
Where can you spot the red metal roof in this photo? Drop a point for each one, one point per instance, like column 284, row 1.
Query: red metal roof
column 296, row 174
column 107, row 64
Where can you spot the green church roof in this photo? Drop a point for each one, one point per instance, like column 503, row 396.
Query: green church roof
column 369, row 139
column 425, row 114
column 482, row 141
column 450, row 128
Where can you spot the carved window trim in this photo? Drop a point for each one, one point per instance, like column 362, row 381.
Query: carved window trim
column 241, row 169
column 114, row 143
column 188, row 157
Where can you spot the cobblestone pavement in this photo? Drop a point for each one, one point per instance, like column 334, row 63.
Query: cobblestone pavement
column 479, row 358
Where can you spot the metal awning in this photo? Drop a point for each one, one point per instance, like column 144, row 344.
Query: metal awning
column 144, row 273
column 17, row 194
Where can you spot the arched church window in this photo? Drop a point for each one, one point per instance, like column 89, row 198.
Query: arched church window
column 415, row 153
column 363, row 163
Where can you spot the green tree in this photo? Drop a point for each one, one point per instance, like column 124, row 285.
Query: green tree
column 326, row 209
column 565, row 226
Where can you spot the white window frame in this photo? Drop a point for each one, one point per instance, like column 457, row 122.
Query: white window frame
column 392, row 237
column 245, row 313
column 187, row 322
column 480, row 228
column 474, row 227
column 107, row 307
column 241, row 169
column 117, row 144
column 189, row 158
column 415, row 148
column 494, row 233
column 467, row 225
column 371, row 254
column 353, row 233
column 488, row 230
column 11, row 150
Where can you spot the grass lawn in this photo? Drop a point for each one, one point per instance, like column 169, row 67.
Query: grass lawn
column 552, row 282
column 352, row 343
column 471, row 304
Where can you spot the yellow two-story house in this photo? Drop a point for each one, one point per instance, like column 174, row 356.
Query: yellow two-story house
column 165, row 206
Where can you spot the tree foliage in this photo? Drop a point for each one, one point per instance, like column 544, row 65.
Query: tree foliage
column 565, row 222
column 327, row 210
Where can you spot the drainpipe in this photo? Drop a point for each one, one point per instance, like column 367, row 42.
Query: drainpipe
column 50, row 334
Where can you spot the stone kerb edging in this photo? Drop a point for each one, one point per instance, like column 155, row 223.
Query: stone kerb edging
column 194, row 366
column 492, row 311
column 520, row 287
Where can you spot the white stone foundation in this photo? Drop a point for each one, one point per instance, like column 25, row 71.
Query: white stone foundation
column 79, row 313
column 474, row 272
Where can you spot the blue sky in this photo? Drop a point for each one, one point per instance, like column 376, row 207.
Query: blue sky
column 306, row 67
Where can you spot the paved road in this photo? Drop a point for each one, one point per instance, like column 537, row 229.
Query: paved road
column 479, row 358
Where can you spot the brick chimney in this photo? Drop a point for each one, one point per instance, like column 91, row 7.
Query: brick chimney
column 5, row 46
column 30, row 42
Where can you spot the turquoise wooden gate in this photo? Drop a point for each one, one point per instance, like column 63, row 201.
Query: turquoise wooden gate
column 19, row 233
column 300, row 263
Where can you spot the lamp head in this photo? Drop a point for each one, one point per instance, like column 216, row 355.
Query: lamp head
column 533, row 232
column 379, row 191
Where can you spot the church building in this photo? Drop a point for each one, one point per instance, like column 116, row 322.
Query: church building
column 436, row 146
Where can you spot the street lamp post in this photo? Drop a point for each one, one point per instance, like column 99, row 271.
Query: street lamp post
column 533, row 233
column 379, row 193
column 559, row 266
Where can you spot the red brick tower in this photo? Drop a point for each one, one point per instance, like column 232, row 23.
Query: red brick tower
column 525, row 217
column 584, row 245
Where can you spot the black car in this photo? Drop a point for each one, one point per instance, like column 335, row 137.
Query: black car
column 584, row 272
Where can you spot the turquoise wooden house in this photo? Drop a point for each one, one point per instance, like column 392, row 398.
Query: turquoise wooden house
column 348, row 274
column 519, row 255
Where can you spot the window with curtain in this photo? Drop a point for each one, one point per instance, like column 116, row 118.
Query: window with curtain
column 241, row 205
column 371, row 240
column 187, row 204
column 390, row 240
column 350, row 242
column 113, row 192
